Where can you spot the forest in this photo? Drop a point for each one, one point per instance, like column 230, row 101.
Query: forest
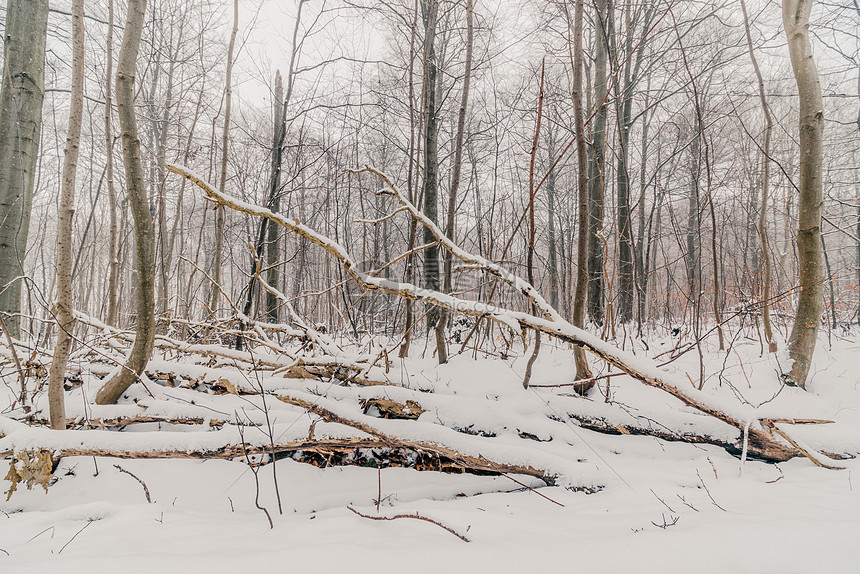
column 538, row 280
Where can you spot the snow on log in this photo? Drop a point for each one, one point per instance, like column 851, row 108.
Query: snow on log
column 762, row 443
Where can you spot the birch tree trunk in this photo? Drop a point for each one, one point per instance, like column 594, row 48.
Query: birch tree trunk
column 801, row 343
column 21, row 95
column 143, row 230
column 63, row 308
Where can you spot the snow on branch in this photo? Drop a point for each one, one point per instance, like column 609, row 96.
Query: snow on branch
column 762, row 443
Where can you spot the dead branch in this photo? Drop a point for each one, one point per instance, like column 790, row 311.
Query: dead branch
column 143, row 484
column 762, row 443
column 21, row 375
column 772, row 425
column 476, row 464
column 416, row 516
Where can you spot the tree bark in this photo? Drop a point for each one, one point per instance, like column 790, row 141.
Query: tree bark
column 596, row 172
column 273, row 199
column 272, row 248
column 113, row 276
column 21, row 96
column 765, row 190
column 530, row 253
column 801, row 344
column 456, row 169
column 581, row 291
column 222, row 179
column 65, row 218
column 430, row 10
column 556, row 278
column 623, row 112
column 143, row 230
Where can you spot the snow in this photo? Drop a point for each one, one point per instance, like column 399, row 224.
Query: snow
column 660, row 506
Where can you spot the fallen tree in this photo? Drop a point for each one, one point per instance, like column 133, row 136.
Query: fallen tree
column 755, row 438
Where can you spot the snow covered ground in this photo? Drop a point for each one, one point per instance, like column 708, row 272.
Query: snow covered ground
column 660, row 507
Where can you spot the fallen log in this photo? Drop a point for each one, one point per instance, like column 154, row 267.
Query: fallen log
column 343, row 451
column 760, row 442
column 284, row 364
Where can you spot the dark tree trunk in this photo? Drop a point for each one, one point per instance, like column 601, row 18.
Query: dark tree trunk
column 596, row 171
column 21, row 95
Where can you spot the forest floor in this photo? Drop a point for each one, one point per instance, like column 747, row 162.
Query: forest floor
column 621, row 503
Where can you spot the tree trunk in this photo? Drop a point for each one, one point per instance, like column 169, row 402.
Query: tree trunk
column 113, row 276
column 694, row 224
column 21, row 95
column 623, row 112
column 765, row 190
column 556, row 281
column 143, row 231
column 596, row 172
column 456, row 169
column 273, row 199
column 581, row 290
column 530, row 253
column 412, row 176
column 431, row 168
column 63, row 308
column 222, row 179
column 272, row 248
column 801, row 344
column 161, row 126
column 641, row 259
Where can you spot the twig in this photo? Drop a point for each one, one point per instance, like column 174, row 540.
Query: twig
column 665, row 524
column 42, row 532
column 714, row 468
column 254, row 470
column 705, row 486
column 662, row 501
column 21, row 374
column 270, row 431
column 579, row 382
column 416, row 517
column 777, row 479
column 379, row 489
column 511, row 478
column 684, row 500
column 75, row 536
column 143, row 484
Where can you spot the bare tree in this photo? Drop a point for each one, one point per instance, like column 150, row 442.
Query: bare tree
column 222, row 179
column 430, row 10
column 597, row 165
column 64, row 309
column 21, row 95
column 143, row 231
column 113, row 276
column 765, row 190
column 458, row 163
column 581, row 293
column 801, row 344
